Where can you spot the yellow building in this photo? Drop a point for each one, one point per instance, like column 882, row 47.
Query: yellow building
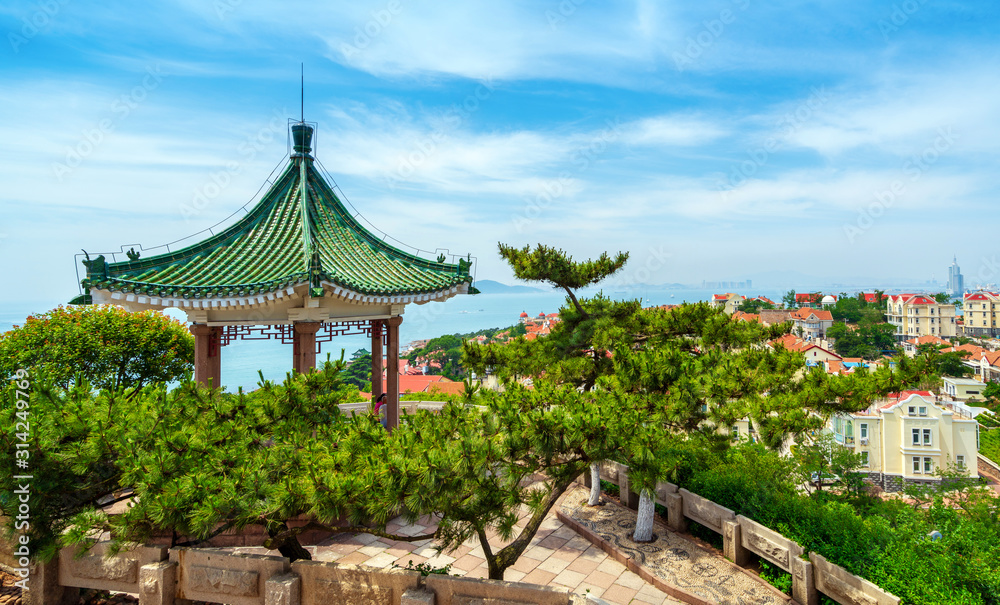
column 906, row 438
column 916, row 315
column 728, row 301
column 981, row 314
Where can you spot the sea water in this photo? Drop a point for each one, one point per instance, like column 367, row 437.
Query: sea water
column 242, row 359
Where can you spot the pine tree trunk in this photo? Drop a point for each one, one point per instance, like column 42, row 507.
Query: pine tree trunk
column 289, row 546
column 644, row 517
column 595, row 484
column 293, row 549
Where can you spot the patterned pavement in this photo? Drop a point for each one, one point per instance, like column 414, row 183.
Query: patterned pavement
column 671, row 558
column 557, row 556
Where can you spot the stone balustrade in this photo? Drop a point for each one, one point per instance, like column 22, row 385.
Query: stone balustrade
column 743, row 537
column 177, row 576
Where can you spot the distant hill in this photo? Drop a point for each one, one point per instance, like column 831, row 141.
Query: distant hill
column 488, row 286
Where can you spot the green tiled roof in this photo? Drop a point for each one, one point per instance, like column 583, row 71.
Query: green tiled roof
column 266, row 250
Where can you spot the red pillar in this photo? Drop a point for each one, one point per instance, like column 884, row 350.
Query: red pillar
column 304, row 346
column 376, row 359
column 207, row 362
column 392, row 372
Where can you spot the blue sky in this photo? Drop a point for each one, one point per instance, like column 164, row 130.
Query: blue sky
column 717, row 140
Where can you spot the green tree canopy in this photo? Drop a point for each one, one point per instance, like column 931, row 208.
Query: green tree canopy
column 359, row 371
column 754, row 305
column 109, row 347
column 867, row 340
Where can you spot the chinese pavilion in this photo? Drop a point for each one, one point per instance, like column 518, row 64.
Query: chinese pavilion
column 298, row 266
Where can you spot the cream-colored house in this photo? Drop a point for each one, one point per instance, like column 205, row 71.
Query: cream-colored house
column 811, row 323
column 981, row 314
column 916, row 315
column 906, row 438
column 962, row 389
column 728, row 301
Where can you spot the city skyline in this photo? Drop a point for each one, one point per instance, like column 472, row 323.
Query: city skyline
column 723, row 142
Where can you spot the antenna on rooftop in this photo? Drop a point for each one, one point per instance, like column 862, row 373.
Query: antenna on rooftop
column 302, row 67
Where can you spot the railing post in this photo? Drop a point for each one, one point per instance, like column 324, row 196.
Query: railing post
column 44, row 587
column 732, row 544
column 158, row 583
column 804, row 582
column 675, row 512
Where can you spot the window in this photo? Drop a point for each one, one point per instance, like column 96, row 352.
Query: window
column 916, row 436
column 864, row 458
column 927, row 436
column 928, row 466
column 916, row 464
column 736, row 433
column 912, row 410
column 960, row 462
column 923, row 410
column 864, row 430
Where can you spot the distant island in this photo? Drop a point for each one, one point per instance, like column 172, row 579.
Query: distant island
column 488, row 286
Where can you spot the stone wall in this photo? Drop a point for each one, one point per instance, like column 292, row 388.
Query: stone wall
column 835, row 582
column 178, row 575
column 706, row 512
column 768, row 544
column 987, row 468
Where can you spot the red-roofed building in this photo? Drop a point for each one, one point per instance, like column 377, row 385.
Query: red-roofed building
column 811, row 323
column 989, row 366
column 911, row 346
column 981, row 314
column 418, row 383
column 741, row 316
column 916, row 315
column 808, row 299
column 446, row 387
column 728, row 301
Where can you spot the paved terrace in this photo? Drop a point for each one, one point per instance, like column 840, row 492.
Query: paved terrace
column 557, row 556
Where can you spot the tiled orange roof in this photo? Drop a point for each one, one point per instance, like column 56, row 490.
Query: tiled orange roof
column 447, row 387
column 807, row 313
column 993, row 358
column 975, row 352
column 417, row 384
column 789, row 341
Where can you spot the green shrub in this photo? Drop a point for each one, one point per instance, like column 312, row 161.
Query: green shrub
column 885, row 542
column 989, row 444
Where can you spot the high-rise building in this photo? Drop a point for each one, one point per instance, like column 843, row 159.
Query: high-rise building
column 956, row 283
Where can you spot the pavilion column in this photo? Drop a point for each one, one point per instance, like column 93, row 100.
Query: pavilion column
column 304, row 346
column 207, row 361
column 376, row 359
column 392, row 371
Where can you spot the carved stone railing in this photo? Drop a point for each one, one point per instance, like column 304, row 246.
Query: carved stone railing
column 176, row 576
column 743, row 537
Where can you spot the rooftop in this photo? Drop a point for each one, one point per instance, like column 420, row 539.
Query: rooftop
column 299, row 233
